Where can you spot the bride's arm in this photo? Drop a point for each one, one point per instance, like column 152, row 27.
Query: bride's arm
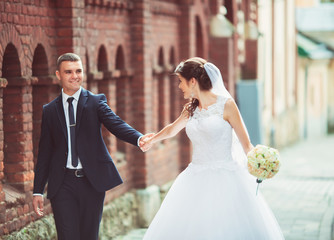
column 232, row 115
column 173, row 128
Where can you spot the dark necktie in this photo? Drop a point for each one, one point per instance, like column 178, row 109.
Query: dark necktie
column 72, row 132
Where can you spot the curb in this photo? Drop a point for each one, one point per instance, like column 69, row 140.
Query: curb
column 326, row 230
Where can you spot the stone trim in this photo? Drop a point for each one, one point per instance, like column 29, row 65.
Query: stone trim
column 163, row 8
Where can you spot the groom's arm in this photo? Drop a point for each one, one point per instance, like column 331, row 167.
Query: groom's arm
column 43, row 158
column 42, row 166
column 115, row 124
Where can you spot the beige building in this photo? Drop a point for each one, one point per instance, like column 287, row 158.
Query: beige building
column 295, row 70
column 315, row 26
column 277, row 71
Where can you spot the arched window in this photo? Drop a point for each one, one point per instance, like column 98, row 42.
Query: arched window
column 11, row 64
column 199, row 38
column 104, row 86
column 12, row 125
column 91, row 83
column 102, row 61
column 40, row 93
column 120, row 64
column 40, row 62
column 174, row 96
column 161, row 90
column 122, row 95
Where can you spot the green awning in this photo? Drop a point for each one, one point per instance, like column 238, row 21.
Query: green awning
column 310, row 49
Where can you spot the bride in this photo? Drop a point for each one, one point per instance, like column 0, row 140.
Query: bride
column 214, row 197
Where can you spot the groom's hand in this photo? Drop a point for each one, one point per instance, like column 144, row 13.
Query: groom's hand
column 38, row 204
column 145, row 142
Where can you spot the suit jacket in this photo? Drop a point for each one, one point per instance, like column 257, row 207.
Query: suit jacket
column 92, row 111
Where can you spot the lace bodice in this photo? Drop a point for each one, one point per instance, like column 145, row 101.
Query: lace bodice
column 211, row 136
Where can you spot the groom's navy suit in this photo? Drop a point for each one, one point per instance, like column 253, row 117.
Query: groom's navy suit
column 99, row 169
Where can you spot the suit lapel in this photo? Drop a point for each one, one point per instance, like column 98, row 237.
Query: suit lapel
column 81, row 105
column 61, row 114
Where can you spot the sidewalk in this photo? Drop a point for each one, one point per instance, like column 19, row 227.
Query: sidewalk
column 301, row 195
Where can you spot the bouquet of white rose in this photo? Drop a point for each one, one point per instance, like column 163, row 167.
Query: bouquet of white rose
column 263, row 162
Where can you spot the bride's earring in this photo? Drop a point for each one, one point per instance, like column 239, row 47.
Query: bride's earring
column 192, row 93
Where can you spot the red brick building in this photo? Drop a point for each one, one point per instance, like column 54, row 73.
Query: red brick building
column 128, row 48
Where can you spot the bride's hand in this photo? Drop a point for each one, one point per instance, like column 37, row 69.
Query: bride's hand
column 145, row 142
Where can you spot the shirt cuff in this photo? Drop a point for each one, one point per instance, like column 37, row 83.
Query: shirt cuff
column 37, row 194
column 139, row 140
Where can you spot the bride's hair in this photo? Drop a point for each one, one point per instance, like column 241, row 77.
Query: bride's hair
column 194, row 68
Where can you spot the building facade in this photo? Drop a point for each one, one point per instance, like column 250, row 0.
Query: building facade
column 129, row 49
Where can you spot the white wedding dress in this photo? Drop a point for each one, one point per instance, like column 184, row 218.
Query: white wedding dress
column 214, row 197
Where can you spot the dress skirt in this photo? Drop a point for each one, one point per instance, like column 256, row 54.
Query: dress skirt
column 211, row 203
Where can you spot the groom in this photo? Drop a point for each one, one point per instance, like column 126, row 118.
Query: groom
column 73, row 158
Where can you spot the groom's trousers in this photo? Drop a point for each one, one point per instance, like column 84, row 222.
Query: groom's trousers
column 77, row 208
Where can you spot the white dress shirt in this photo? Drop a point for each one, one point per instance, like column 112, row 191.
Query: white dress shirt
column 75, row 105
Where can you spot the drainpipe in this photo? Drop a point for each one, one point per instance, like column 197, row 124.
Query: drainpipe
column 305, row 101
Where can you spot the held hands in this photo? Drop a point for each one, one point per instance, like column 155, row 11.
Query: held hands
column 38, row 204
column 145, row 142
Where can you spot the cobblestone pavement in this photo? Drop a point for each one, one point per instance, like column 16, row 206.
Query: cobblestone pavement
column 301, row 195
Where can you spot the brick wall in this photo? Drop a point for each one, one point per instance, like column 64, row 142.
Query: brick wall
column 27, row 47
column 128, row 49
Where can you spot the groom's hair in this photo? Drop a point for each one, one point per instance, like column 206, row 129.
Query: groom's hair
column 72, row 57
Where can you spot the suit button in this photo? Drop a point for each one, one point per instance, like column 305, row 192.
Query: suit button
column 66, row 153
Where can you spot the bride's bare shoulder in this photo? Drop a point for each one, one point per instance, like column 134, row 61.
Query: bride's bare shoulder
column 230, row 109
column 229, row 104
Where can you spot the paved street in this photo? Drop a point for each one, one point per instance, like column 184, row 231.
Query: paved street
column 301, row 195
